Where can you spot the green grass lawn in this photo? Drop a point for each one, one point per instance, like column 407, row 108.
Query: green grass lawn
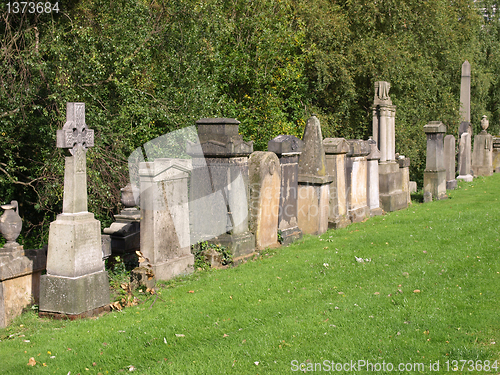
column 429, row 293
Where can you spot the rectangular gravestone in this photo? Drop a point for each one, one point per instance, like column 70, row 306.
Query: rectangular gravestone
column 482, row 156
column 496, row 154
column 404, row 170
column 372, row 193
column 335, row 155
column 76, row 283
column 449, row 161
column 356, row 180
column 265, row 181
column 435, row 172
column 219, row 186
column 288, row 149
column 464, row 152
column 165, row 237
column 314, row 183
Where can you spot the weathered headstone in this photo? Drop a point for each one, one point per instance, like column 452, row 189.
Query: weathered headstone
column 165, row 237
column 392, row 197
column 219, row 186
column 435, row 172
column 373, row 196
column 288, row 149
column 335, row 154
column 125, row 232
column 314, row 183
column 449, row 161
column 356, row 180
column 20, row 269
column 76, row 283
column 264, row 180
column 496, row 154
column 482, row 156
column 404, row 169
column 464, row 152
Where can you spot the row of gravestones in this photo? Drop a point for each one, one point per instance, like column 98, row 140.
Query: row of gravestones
column 226, row 194
column 440, row 172
column 234, row 197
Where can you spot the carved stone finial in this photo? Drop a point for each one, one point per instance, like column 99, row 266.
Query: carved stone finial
column 485, row 123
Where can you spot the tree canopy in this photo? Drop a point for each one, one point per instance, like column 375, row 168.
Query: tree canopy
column 149, row 67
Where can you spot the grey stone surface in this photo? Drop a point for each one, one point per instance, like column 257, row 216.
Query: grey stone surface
column 464, row 172
column 20, row 272
column 391, row 194
column 357, row 180
column 384, row 114
column 73, row 295
column 313, row 190
column 496, row 155
column 165, row 235
column 288, row 148
column 465, row 92
column 413, row 187
column 74, row 255
column 404, row 169
column 449, row 161
column 219, row 186
column 265, row 182
column 435, row 172
column 335, row 154
column 482, row 156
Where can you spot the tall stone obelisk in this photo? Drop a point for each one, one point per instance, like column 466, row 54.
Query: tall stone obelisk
column 76, row 284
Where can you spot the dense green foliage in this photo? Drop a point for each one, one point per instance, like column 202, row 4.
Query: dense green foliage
column 146, row 68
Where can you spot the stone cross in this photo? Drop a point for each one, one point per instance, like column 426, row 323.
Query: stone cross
column 77, row 138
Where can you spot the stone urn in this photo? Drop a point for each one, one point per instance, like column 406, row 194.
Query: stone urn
column 485, row 123
column 10, row 222
column 127, row 196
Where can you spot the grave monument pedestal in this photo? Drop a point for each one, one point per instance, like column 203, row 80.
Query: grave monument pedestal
column 392, row 196
column 449, row 161
column 335, row 156
column 372, row 191
column 482, row 156
column 219, row 186
column 165, row 237
column 76, row 284
column 356, row 181
column 314, row 183
column 464, row 157
column 435, row 172
column 288, row 149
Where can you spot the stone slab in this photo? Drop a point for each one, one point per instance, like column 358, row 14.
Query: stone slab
column 435, row 183
column 290, row 235
column 240, row 244
column 170, row 268
column 73, row 295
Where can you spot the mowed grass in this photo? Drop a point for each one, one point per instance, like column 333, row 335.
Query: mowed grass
column 430, row 293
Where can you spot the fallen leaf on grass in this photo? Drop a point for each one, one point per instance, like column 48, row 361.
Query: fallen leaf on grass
column 225, row 335
column 31, row 361
column 191, row 291
column 416, row 291
column 179, row 335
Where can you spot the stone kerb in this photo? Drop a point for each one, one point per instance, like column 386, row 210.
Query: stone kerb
column 264, row 181
column 435, row 172
column 288, row 149
column 335, row 154
column 314, row 190
column 356, row 180
column 165, row 237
